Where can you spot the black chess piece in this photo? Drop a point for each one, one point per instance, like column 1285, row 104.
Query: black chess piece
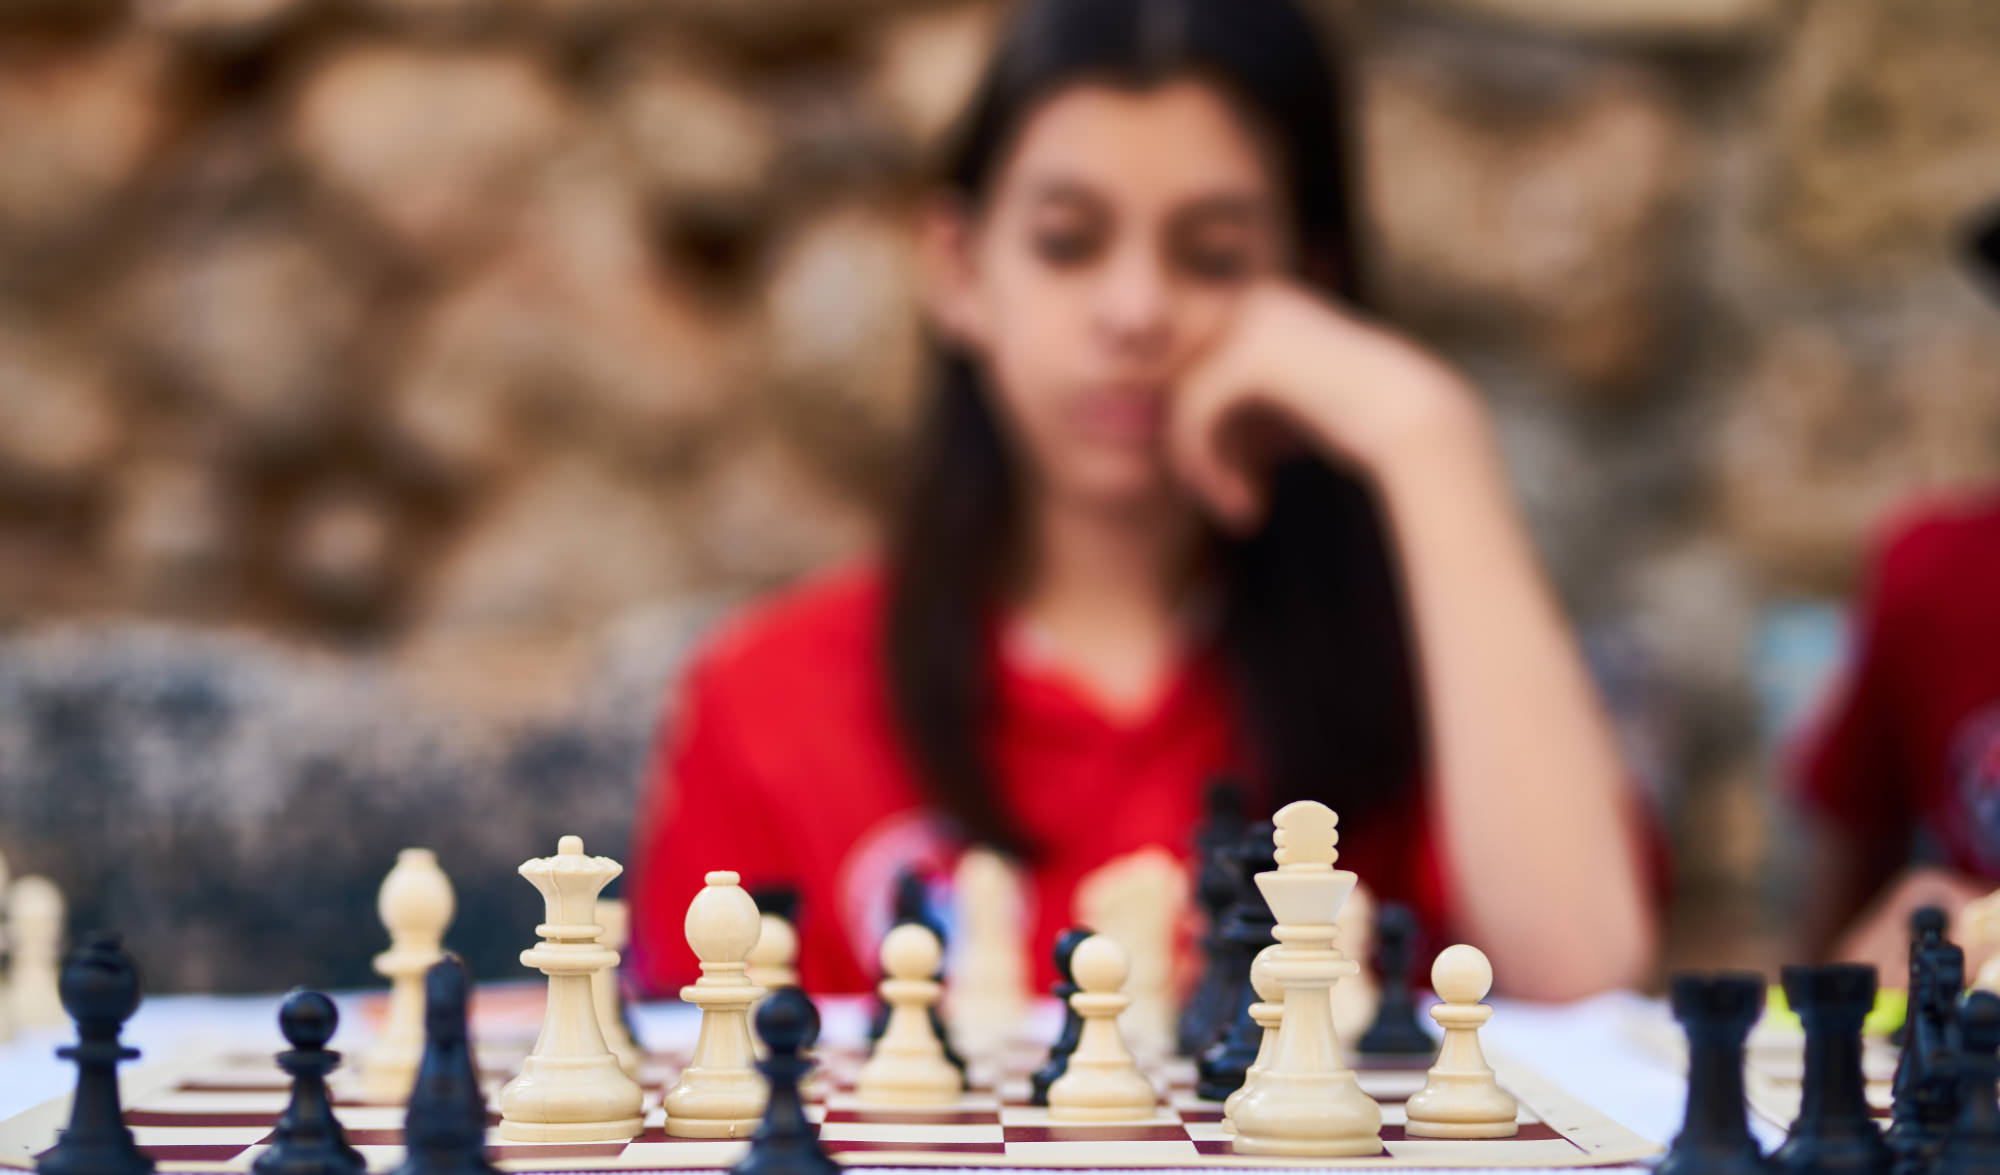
column 1201, row 1018
column 1072, row 1025
column 1246, row 929
column 308, row 1139
column 1926, row 1092
column 1927, row 928
column 1396, row 1029
column 1972, row 1147
column 785, row 1143
column 444, row 1132
column 1716, row 1012
column 100, row 991
column 1835, row 1132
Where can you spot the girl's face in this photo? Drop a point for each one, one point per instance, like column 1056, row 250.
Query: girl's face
column 1117, row 238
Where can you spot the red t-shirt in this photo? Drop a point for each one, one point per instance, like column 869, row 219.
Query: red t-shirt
column 782, row 762
column 1911, row 737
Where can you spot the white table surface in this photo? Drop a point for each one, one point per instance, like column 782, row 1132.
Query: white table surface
column 1590, row 1048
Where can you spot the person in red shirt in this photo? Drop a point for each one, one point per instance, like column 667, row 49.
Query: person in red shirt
column 1177, row 507
column 1899, row 772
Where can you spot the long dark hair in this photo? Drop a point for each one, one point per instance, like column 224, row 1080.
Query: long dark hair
column 1312, row 624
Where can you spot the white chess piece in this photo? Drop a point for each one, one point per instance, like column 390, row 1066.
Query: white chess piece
column 1268, row 1012
column 571, row 1088
column 989, row 990
column 35, row 919
column 1140, row 899
column 1307, row 1102
column 416, row 905
column 1102, row 1082
column 908, row 1067
column 1978, row 926
column 617, row 923
column 1356, row 998
column 1461, row 1098
column 773, row 964
column 720, row 1094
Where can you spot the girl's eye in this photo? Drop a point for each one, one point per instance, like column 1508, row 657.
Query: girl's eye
column 1065, row 248
column 1216, row 265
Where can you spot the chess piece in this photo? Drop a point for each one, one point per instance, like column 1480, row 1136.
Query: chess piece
column 1980, row 920
column 1461, row 1098
column 415, row 904
column 785, row 1142
column 572, row 1087
column 1139, row 900
column 1202, row 1017
column 1835, row 1132
column 444, row 1130
column 1396, row 1029
column 99, row 988
column 720, row 1093
column 1972, row 1147
column 989, row 991
column 35, row 924
column 1716, row 1013
column 1072, row 1024
column 1246, row 929
column 1357, row 997
column 910, row 904
column 1927, row 928
column 908, row 1066
column 308, row 1139
column 1269, row 1013
column 1102, row 1082
column 773, row 962
column 1307, row 1102
column 1926, row 1090
column 608, row 993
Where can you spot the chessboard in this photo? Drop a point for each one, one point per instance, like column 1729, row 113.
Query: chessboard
column 214, row 1112
column 1774, row 1072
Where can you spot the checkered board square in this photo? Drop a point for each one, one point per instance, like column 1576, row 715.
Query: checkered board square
column 1774, row 1079
column 214, row 1113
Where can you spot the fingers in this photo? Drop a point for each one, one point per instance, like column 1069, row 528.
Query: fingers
column 1201, row 453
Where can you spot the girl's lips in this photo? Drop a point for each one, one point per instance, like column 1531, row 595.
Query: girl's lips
column 1126, row 414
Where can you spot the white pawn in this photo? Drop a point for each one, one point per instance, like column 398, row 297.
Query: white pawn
column 35, row 916
column 989, row 990
column 908, row 1067
column 774, row 960
column 1268, row 1013
column 1103, row 1082
column 415, row 904
column 720, row 1093
column 1461, row 1099
column 571, row 1088
column 617, row 923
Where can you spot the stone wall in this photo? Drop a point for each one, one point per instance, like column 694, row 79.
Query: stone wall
column 389, row 389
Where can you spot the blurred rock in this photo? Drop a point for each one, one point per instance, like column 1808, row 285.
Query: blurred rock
column 79, row 124
column 445, row 184
column 59, row 423
column 765, row 518
column 1701, row 20
column 252, row 321
column 925, row 64
column 219, row 22
column 1538, row 217
column 341, row 551
column 174, row 538
column 691, row 130
column 1884, row 135
column 847, row 354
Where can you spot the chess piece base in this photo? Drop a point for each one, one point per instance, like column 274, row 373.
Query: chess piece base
column 1308, row 1115
column 1420, row 1129
column 617, row 1131
column 711, row 1127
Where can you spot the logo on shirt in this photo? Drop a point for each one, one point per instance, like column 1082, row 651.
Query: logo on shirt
column 867, row 884
column 1975, row 767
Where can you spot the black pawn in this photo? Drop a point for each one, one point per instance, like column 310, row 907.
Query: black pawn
column 1072, row 1025
column 445, row 1130
column 1202, row 1017
column 1835, row 1133
column 785, row 1143
column 1926, row 1088
column 100, row 991
column 1396, row 1029
column 1716, row 1012
column 1973, row 1146
column 1247, row 930
column 1927, row 927
column 308, row 1139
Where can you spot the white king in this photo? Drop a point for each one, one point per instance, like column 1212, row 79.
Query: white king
column 1307, row 1101
column 572, row 1088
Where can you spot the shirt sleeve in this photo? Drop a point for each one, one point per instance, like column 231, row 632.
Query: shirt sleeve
column 703, row 809
column 1848, row 766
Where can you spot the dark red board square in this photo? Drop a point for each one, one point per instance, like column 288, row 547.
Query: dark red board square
column 558, row 1150
column 1079, row 1133
column 1200, row 1115
column 185, row 1119
column 970, row 1148
column 915, row 1117
column 1223, row 1146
